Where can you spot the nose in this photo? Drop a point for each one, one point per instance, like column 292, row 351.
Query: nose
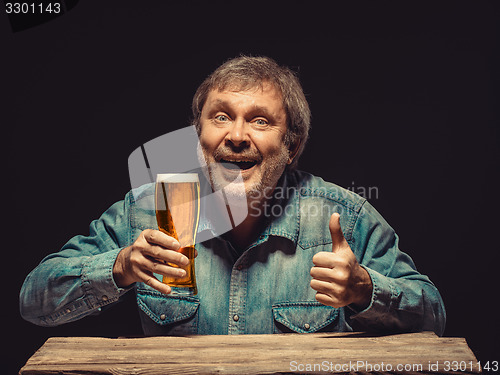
column 237, row 135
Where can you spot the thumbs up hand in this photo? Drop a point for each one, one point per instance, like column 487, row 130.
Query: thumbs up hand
column 337, row 277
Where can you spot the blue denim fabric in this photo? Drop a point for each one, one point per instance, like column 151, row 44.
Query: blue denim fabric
column 262, row 289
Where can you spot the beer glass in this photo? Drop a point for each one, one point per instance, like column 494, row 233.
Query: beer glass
column 177, row 205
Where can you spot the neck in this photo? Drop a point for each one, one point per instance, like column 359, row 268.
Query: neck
column 247, row 231
column 254, row 223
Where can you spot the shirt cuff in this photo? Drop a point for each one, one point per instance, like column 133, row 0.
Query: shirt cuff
column 381, row 299
column 98, row 281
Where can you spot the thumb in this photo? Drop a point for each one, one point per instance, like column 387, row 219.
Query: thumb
column 338, row 239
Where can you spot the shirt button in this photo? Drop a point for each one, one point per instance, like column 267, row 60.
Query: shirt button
column 307, row 326
column 236, row 317
column 163, row 317
column 104, row 298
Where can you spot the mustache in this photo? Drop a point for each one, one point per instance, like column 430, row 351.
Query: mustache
column 225, row 152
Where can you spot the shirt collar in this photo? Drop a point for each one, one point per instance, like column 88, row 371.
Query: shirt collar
column 284, row 210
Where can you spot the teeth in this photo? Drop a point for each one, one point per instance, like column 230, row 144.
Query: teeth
column 238, row 161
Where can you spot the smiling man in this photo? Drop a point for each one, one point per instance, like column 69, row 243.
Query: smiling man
column 310, row 256
column 242, row 134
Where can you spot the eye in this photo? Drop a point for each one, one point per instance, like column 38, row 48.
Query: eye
column 261, row 122
column 221, row 118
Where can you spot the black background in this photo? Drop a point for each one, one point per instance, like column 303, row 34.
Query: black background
column 404, row 99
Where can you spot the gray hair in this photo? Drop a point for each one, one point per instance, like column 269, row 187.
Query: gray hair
column 247, row 72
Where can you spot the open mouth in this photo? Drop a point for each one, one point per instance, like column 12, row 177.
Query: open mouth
column 238, row 164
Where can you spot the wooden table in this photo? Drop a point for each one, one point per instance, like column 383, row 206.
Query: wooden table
column 255, row 354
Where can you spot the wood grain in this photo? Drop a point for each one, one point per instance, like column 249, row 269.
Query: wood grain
column 254, row 354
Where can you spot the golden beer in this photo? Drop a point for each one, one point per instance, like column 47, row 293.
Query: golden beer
column 177, row 200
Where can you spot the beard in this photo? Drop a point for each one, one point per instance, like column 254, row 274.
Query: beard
column 260, row 184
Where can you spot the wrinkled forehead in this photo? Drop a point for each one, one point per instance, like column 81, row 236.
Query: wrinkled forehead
column 249, row 84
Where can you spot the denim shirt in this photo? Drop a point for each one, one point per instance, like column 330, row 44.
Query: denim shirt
column 264, row 288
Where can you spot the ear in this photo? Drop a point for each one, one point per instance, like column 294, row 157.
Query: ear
column 294, row 148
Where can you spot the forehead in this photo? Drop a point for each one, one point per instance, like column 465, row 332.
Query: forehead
column 262, row 95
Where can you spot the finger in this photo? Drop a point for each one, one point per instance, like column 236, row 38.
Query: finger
column 325, row 259
column 329, row 294
column 154, row 283
column 323, row 287
column 168, row 256
column 338, row 239
column 328, row 300
column 164, row 269
column 337, row 276
column 322, row 274
column 155, row 237
column 328, row 259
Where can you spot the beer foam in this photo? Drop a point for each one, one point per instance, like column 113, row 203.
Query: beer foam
column 177, row 177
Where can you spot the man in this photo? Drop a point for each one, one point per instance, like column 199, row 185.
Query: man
column 309, row 256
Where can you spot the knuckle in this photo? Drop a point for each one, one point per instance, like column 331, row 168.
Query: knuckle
column 139, row 244
column 342, row 275
column 154, row 266
column 149, row 235
column 155, row 252
column 152, row 236
column 135, row 257
column 139, row 247
column 342, row 262
column 149, row 281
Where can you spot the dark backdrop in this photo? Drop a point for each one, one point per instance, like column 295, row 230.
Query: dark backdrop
column 404, row 101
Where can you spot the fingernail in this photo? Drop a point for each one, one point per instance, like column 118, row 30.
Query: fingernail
column 182, row 273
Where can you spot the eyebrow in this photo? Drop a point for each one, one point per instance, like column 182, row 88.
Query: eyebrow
column 219, row 104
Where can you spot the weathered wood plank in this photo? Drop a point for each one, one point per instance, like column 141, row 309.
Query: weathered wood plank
column 253, row 354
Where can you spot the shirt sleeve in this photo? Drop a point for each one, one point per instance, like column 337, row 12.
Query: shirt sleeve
column 78, row 280
column 402, row 299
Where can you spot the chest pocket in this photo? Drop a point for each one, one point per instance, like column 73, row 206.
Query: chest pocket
column 304, row 317
column 172, row 315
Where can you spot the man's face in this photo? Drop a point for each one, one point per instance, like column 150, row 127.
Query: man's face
column 243, row 132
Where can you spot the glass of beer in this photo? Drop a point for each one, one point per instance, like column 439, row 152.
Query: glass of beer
column 177, row 204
